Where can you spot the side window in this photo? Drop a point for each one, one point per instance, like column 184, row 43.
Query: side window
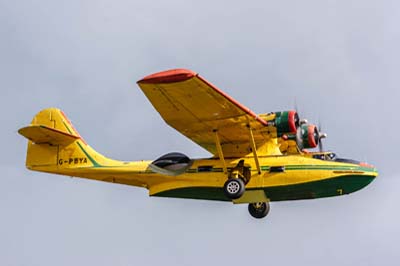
column 204, row 168
column 277, row 169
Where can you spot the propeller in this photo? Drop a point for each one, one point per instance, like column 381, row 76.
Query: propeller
column 320, row 137
column 296, row 108
column 318, row 134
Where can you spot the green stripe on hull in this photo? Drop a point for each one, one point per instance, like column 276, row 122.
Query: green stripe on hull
column 317, row 189
column 304, row 167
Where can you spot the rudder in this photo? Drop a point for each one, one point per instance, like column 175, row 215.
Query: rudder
column 54, row 144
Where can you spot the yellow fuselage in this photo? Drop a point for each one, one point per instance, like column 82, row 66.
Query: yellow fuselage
column 301, row 177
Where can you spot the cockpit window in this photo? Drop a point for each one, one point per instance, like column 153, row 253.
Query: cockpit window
column 319, row 156
column 343, row 160
column 325, row 156
column 330, row 156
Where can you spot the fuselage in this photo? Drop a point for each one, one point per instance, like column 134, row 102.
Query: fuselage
column 292, row 177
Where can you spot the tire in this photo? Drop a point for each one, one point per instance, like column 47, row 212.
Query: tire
column 234, row 188
column 259, row 209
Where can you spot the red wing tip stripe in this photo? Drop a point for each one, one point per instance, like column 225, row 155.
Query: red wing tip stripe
column 168, row 76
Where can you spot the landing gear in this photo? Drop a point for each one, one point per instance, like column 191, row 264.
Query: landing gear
column 259, row 209
column 234, row 188
column 238, row 178
column 241, row 171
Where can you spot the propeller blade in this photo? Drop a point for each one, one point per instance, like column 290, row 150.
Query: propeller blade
column 320, row 146
column 303, row 121
column 321, row 136
column 295, row 105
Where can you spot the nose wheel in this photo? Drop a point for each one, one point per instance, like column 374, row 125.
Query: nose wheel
column 259, row 209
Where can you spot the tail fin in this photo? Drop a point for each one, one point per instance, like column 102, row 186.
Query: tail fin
column 54, row 144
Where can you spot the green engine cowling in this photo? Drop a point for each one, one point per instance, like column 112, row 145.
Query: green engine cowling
column 307, row 136
column 286, row 122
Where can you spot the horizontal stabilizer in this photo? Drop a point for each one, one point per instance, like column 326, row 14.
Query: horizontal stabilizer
column 40, row 134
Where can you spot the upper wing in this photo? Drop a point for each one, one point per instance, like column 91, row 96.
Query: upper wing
column 198, row 109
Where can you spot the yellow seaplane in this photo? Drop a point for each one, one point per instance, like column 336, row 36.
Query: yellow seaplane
column 256, row 158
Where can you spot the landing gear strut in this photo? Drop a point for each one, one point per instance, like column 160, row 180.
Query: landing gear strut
column 234, row 187
column 259, row 209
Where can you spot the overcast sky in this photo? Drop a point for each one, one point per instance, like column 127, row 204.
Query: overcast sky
column 339, row 60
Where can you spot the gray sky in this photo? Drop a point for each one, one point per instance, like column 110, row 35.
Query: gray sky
column 338, row 59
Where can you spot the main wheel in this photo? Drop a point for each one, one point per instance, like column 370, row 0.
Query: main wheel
column 259, row 209
column 234, row 188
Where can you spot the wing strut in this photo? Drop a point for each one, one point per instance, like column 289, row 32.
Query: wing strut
column 253, row 147
column 220, row 153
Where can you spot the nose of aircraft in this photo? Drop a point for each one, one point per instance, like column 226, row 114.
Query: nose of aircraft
column 369, row 171
column 370, row 168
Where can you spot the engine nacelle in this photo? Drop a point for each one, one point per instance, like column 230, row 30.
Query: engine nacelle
column 284, row 122
column 307, row 136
